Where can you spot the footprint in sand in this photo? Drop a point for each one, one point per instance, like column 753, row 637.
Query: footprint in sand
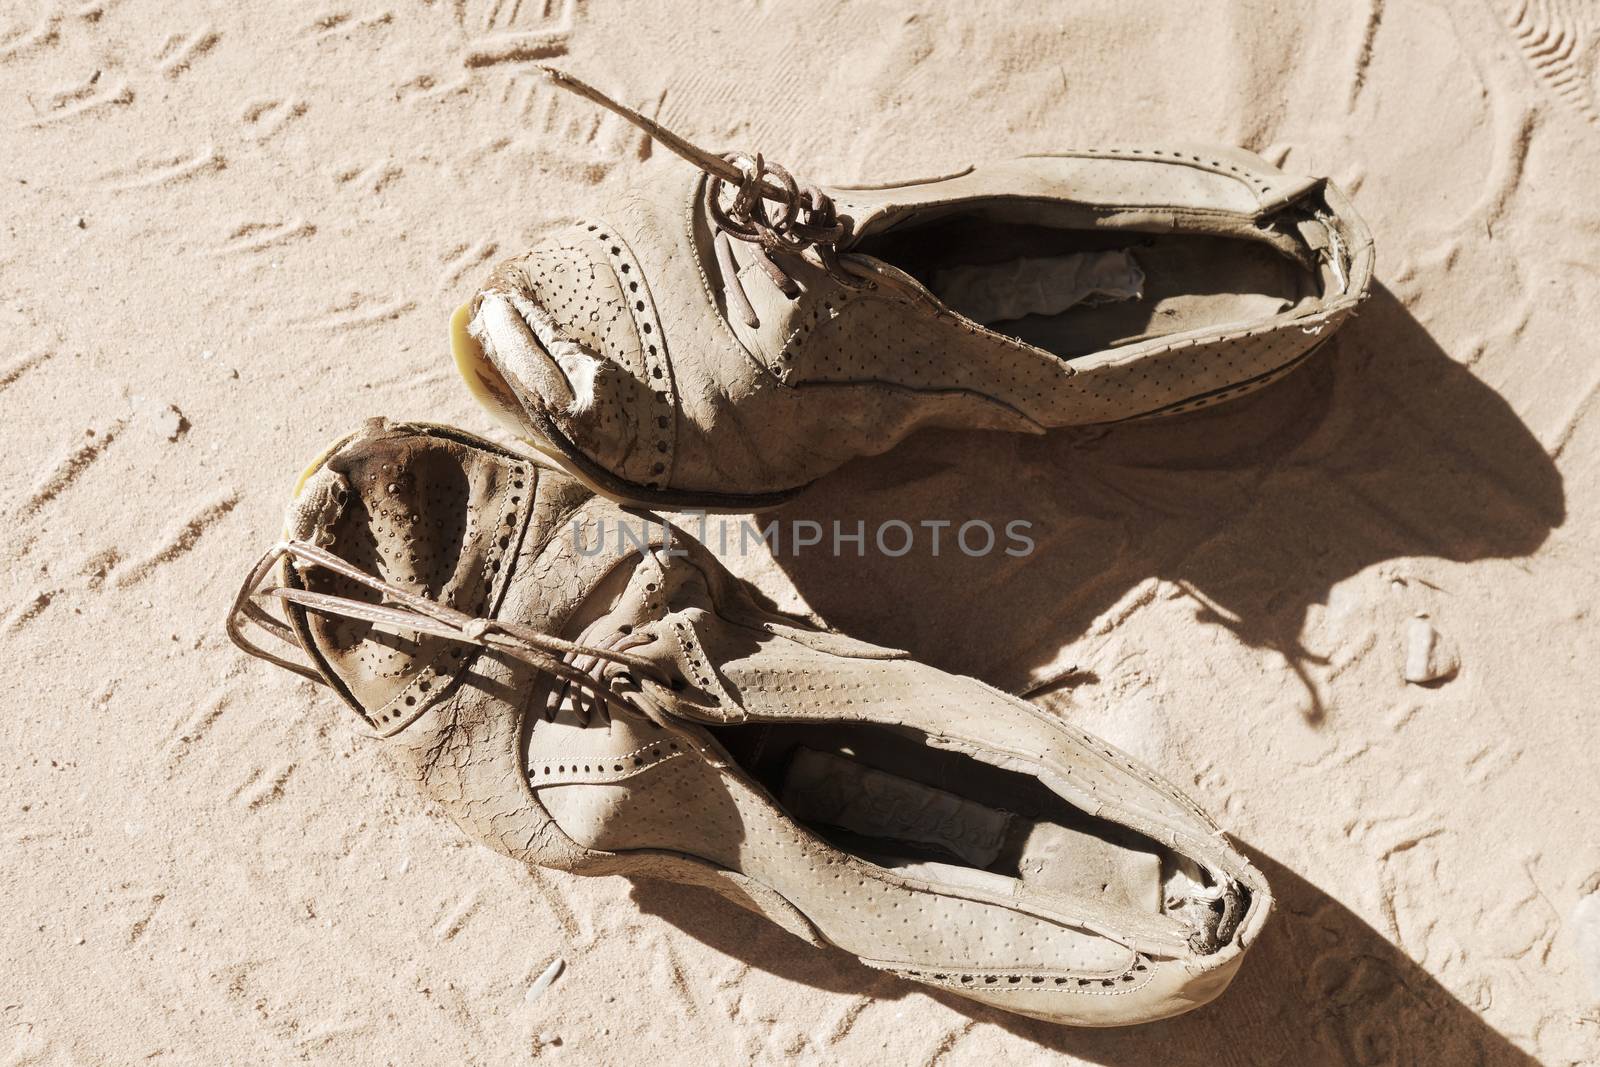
column 179, row 52
column 463, row 259
column 23, row 31
column 515, row 31
column 572, row 140
column 368, row 180
column 1560, row 39
column 339, row 22
column 251, row 237
column 262, row 118
column 177, row 542
column 161, row 170
column 355, row 312
column 96, row 92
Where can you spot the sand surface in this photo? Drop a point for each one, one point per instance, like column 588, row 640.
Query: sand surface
column 232, row 230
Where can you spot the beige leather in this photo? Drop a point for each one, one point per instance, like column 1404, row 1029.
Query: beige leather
column 669, row 398
column 692, row 794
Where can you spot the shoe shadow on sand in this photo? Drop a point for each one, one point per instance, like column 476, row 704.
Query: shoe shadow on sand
column 1320, row 987
column 1382, row 447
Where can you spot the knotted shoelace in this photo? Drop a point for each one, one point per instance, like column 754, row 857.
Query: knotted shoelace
column 768, row 208
column 606, row 677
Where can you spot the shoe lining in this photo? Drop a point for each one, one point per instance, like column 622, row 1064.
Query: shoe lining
column 884, row 795
column 1189, row 280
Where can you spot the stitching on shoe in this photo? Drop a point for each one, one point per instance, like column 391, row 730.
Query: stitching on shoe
column 1017, row 981
column 693, row 657
column 575, row 769
column 407, row 705
column 1262, row 187
column 658, row 367
column 835, row 307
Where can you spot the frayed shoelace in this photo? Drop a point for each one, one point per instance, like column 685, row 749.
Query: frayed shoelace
column 805, row 220
column 608, row 677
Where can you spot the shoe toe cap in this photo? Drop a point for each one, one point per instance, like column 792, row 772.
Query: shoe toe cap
column 422, row 510
column 576, row 353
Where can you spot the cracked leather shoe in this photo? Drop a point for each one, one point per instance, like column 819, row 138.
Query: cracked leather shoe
column 722, row 336
column 603, row 703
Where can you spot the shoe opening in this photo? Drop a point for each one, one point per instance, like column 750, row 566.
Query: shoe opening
column 1073, row 290
column 882, row 794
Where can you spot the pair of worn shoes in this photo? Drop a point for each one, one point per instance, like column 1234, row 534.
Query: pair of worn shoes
column 608, row 705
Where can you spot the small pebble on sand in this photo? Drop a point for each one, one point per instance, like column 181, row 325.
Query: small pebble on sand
column 545, row 980
column 1429, row 656
column 1586, row 932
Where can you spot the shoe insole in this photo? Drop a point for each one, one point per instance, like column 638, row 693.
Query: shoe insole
column 930, row 832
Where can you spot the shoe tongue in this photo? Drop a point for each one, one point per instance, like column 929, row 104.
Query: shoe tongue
column 427, row 511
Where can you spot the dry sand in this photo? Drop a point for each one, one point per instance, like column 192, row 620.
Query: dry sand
column 232, row 230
